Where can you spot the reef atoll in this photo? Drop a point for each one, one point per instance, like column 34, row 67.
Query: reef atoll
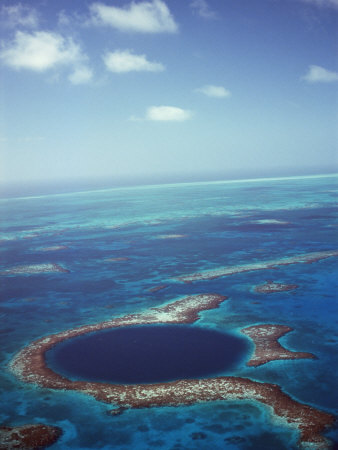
column 54, row 248
column 267, row 347
column 270, row 287
column 30, row 366
column 34, row 269
column 263, row 265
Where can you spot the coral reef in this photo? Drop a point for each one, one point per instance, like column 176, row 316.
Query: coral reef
column 267, row 347
column 27, row 437
column 272, row 264
column 30, row 366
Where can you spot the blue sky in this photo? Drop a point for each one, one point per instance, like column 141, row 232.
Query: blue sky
column 175, row 88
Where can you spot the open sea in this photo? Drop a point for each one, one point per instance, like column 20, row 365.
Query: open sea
column 116, row 245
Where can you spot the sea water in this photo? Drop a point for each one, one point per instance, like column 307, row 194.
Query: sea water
column 118, row 244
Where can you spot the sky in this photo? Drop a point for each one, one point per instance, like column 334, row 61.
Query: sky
column 176, row 88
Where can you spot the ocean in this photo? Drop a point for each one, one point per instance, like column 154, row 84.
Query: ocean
column 82, row 258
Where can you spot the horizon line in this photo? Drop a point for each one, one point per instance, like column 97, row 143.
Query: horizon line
column 180, row 183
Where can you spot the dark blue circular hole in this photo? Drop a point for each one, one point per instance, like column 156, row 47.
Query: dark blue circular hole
column 147, row 354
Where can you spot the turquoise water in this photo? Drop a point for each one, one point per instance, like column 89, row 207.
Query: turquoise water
column 162, row 232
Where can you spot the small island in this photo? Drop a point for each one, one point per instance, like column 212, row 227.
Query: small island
column 54, row 248
column 270, row 287
column 34, row 269
column 267, row 347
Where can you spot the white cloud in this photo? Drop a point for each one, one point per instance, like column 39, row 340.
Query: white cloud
column 202, row 8
column 122, row 61
column 145, row 17
column 64, row 19
column 317, row 74
column 72, row 20
column 19, row 15
column 41, row 51
column 323, row 3
column 168, row 113
column 81, row 75
column 214, row 91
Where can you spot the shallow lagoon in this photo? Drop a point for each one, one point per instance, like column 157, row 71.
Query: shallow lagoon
column 220, row 224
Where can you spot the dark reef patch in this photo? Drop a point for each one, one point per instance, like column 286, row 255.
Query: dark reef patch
column 198, row 435
column 28, row 437
column 147, row 354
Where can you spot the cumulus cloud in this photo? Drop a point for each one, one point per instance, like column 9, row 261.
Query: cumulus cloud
column 19, row 15
column 323, row 3
column 317, row 74
column 145, row 17
column 168, row 113
column 41, row 51
column 214, row 91
column 121, row 61
column 201, row 8
column 81, row 75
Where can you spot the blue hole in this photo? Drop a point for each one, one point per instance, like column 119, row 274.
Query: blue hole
column 147, row 354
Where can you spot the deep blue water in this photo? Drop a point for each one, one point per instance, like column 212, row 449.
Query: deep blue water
column 221, row 224
column 146, row 354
